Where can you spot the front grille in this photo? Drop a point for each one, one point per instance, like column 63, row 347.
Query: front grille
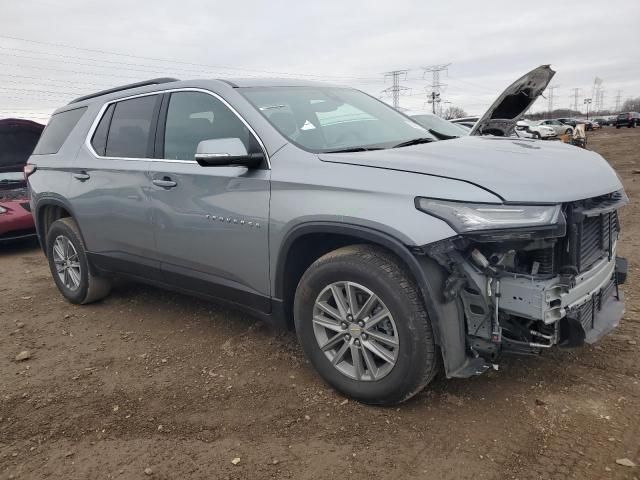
column 595, row 239
column 586, row 314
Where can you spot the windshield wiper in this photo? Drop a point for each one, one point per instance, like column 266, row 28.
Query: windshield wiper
column 353, row 149
column 414, row 141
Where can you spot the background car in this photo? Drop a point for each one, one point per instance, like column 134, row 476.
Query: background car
column 603, row 122
column 437, row 126
column 527, row 129
column 628, row 119
column 569, row 121
column 559, row 127
column 17, row 140
column 468, row 122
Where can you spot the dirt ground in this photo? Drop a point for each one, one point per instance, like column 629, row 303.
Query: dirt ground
column 150, row 384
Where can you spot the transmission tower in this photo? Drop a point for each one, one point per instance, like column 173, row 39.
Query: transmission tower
column 436, row 85
column 574, row 96
column 395, row 89
column 600, row 100
column 618, row 101
column 550, row 99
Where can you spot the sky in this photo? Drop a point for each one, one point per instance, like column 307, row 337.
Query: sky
column 54, row 51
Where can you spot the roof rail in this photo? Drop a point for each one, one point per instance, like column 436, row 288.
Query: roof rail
column 153, row 81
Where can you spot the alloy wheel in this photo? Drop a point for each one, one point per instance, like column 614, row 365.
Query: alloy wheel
column 65, row 258
column 356, row 331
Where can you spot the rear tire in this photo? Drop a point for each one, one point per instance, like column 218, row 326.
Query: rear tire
column 356, row 274
column 537, row 136
column 568, row 131
column 69, row 264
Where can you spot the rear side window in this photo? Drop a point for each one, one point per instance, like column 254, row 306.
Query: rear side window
column 57, row 131
column 130, row 133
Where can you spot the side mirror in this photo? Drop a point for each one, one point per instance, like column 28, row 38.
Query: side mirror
column 223, row 152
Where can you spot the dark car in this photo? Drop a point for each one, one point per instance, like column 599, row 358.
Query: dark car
column 603, row 122
column 17, row 140
column 628, row 119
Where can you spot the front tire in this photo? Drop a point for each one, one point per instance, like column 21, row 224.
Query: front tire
column 69, row 265
column 362, row 324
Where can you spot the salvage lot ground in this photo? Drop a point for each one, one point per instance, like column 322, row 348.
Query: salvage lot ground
column 153, row 380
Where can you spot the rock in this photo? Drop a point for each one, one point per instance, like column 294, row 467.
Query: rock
column 22, row 356
column 116, row 408
column 625, row 462
column 344, row 402
column 632, row 342
column 307, row 417
column 275, row 461
column 540, row 402
column 148, row 471
column 20, row 324
column 236, row 461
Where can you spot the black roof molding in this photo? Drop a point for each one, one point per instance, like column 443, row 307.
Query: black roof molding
column 153, row 81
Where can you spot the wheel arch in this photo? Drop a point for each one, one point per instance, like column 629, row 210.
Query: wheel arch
column 304, row 244
column 47, row 211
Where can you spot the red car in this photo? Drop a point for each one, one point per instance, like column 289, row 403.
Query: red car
column 18, row 138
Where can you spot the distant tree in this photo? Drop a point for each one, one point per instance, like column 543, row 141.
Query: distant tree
column 454, row 112
column 631, row 105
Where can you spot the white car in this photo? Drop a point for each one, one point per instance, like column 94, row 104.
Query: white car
column 530, row 130
column 558, row 126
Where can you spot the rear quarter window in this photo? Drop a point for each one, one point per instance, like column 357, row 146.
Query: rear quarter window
column 57, row 131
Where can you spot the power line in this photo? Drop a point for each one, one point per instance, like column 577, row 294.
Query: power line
column 436, row 85
column 395, row 89
column 166, row 60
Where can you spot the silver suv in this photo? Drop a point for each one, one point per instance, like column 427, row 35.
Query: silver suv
column 316, row 207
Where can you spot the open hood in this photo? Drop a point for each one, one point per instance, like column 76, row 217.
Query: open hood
column 501, row 117
column 18, row 138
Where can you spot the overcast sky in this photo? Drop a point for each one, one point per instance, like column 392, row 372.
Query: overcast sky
column 72, row 46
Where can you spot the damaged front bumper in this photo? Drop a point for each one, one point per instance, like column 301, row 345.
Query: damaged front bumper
column 505, row 294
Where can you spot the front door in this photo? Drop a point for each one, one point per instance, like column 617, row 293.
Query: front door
column 211, row 223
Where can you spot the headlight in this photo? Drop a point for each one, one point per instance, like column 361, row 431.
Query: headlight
column 3, row 210
column 473, row 217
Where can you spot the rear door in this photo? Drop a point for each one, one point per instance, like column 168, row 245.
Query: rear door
column 110, row 184
column 211, row 223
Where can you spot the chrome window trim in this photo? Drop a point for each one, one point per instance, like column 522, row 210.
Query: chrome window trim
column 104, row 107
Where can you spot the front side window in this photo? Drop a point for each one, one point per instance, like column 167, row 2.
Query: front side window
column 325, row 119
column 130, row 134
column 195, row 116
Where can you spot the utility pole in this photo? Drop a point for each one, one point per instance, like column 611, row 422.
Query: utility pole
column 576, row 93
column 434, row 88
column 618, row 101
column 550, row 94
column 395, row 88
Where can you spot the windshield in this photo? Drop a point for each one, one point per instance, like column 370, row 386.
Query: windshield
column 439, row 125
column 329, row 119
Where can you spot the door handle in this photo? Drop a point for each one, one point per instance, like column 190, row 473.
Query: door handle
column 82, row 176
column 165, row 182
